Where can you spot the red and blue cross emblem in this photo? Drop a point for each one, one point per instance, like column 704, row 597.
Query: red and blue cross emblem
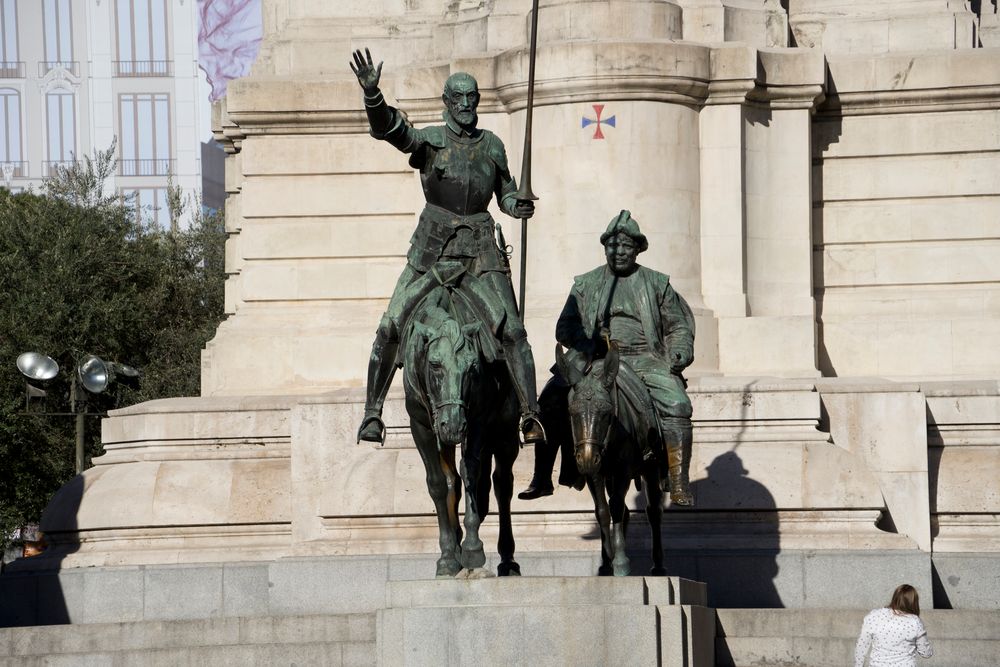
column 598, row 110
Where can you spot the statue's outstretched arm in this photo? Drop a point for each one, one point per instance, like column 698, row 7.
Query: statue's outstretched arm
column 386, row 122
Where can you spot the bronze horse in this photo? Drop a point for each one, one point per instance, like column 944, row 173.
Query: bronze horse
column 609, row 438
column 459, row 392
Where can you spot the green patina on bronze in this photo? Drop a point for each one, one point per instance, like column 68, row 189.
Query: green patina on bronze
column 652, row 328
column 462, row 168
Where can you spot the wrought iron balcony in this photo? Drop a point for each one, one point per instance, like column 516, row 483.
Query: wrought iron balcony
column 49, row 167
column 71, row 66
column 11, row 69
column 135, row 68
column 149, row 167
column 9, row 169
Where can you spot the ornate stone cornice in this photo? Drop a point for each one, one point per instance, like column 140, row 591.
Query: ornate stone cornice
column 568, row 72
column 878, row 102
column 58, row 78
column 912, row 83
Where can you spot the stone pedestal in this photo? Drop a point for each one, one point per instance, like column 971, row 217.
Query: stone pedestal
column 547, row 621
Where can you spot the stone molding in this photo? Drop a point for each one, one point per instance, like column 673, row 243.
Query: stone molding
column 315, row 497
column 912, row 83
column 659, row 71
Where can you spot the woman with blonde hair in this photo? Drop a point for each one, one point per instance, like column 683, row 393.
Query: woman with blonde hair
column 895, row 633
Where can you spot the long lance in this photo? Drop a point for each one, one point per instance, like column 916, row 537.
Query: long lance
column 524, row 193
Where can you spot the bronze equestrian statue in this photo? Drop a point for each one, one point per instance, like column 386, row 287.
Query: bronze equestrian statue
column 458, row 392
column 654, row 328
column 618, row 404
column 462, row 167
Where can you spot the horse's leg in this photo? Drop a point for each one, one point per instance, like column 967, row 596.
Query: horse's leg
column 654, row 512
column 595, row 483
column 503, row 487
column 616, row 492
column 450, row 466
column 473, row 555
column 441, row 486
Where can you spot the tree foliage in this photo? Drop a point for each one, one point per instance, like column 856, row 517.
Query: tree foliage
column 81, row 273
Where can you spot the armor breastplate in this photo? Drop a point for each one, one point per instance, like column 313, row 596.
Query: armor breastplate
column 459, row 177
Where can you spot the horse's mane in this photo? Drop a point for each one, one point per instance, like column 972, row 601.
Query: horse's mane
column 433, row 314
column 634, row 409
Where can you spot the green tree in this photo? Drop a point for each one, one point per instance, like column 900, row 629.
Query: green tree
column 81, row 273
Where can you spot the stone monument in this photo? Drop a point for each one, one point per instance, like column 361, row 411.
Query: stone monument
column 820, row 183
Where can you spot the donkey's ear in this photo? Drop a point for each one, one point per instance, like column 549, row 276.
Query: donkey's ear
column 611, row 364
column 567, row 370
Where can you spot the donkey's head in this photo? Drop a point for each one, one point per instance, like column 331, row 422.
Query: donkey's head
column 450, row 359
column 591, row 407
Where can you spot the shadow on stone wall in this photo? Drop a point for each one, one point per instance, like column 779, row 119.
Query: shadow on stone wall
column 31, row 590
column 731, row 506
column 741, row 576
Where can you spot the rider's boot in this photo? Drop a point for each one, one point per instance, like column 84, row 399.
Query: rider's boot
column 521, row 366
column 541, row 480
column 677, row 438
column 381, row 368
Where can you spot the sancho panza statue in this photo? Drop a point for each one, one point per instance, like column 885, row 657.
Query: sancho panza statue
column 461, row 168
column 635, row 307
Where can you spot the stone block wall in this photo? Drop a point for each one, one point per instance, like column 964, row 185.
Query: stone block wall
column 906, row 157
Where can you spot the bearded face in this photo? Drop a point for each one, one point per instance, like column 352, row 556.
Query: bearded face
column 461, row 98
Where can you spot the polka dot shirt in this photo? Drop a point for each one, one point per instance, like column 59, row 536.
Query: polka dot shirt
column 894, row 639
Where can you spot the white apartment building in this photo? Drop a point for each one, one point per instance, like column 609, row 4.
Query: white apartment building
column 76, row 74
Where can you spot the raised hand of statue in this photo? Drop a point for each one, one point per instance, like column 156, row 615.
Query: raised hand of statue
column 364, row 68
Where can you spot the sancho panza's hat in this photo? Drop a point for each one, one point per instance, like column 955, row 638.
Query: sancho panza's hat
column 625, row 223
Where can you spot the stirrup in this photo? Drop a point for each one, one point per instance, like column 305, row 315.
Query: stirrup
column 382, row 430
column 525, row 420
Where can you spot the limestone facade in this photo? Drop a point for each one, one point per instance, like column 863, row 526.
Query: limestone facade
column 817, row 177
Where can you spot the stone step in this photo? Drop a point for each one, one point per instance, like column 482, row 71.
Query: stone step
column 826, row 637
column 313, row 654
column 580, row 621
column 347, row 639
column 539, row 591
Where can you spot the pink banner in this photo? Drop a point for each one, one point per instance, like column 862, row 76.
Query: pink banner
column 228, row 40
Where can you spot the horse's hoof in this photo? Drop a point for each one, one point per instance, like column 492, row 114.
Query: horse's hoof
column 473, row 557
column 448, row 568
column 509, row 569
column 658, row 571
column 622, row 569
column 477, row 573
column 605, row 571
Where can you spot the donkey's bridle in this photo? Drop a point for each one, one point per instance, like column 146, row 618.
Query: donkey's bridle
column 603, row 444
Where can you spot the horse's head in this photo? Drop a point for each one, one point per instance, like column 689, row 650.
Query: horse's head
column 591, row 407
column 450, row 357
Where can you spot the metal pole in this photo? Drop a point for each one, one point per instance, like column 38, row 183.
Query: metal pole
column 525, row 193
column 80, row 416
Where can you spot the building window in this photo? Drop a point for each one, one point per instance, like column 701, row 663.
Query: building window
column 10, row 144
column 150, row 205
column 60, row 119
column 141, row 26
column 58, row 21
column 10, row 67
column 145, row 134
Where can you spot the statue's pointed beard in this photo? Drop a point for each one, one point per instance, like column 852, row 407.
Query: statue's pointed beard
column 467, row 118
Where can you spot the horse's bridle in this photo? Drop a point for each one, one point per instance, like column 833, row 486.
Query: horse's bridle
column 603, row 444
column 433, row 408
